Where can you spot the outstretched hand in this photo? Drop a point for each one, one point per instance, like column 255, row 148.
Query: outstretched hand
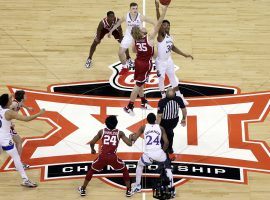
column 93, row 151
column 189, row 56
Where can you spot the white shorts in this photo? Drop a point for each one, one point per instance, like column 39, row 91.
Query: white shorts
column 164, row 67
column 149, row 157
column 127, row 41
column 6, row 142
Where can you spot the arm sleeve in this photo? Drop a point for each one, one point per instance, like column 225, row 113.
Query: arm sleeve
column 161, row 105
column 180, row 102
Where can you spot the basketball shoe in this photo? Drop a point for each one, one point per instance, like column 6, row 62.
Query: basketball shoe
column 136, row 188
column 28, row 183
column 25, row 166
column 81, row 191
column 88, row 63
column 146, row 105
column 129, row 110
column 129, row 192
column 130, row 63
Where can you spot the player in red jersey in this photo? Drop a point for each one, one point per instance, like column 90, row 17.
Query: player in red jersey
column 144, row 47
column 17, row 104
column 104, row 28
column 110, row 137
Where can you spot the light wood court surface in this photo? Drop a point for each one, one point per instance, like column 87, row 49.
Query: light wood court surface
column 45, row 42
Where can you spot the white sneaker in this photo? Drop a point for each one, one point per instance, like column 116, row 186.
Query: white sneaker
column 136, row 188
column 130, row 63
column 28, row 183
column 88, row 63
column 184, row 100
column 25, row 166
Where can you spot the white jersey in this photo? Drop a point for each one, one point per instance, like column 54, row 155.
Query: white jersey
column 4, row 126
column 152, row 137
column 165, row 48
column 131, row 23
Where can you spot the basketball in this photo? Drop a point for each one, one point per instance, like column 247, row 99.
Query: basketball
column 165, row 2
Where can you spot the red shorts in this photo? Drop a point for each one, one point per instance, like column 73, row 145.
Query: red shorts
column 142, row 71
column 115, row 34
column 108, row 159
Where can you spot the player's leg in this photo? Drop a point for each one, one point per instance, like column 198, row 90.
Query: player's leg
column 119, row 37
column 18, row 142
column 144, row 161
column 97, row 166
column 119, row 165
column 11, row 150
column 95, row 43
column 174, row 80
column 161, row 68
column 133, row 96
column 125, row 44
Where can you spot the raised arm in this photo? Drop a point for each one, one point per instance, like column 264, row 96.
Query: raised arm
column 157, row 9
column 119, row 22
column 94, row 141
column 165, row 139
column 125, row 139
column 147, row 20
column 159, row 22
column 9, row 115
column 178, row 51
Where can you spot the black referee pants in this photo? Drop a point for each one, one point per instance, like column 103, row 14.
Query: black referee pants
column 169, row 125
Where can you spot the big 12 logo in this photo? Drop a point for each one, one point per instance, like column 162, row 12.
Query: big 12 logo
column 214, row 145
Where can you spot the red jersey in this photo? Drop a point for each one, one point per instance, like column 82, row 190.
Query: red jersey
column 110, row 141
column 16, row 105
column 106, row 25
column 144, row 50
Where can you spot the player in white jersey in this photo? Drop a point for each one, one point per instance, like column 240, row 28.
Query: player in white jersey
column 17, row 104
column 164, row 62
column 6, row 141
column 132, row 18
column 152, row 149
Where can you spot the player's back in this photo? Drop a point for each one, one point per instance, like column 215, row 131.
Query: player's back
column 152, row 137
column 110, row 141
column 144, row 50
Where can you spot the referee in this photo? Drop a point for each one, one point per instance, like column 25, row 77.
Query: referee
column 168, row 114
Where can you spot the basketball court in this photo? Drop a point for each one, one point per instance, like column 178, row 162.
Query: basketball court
column 43, row 48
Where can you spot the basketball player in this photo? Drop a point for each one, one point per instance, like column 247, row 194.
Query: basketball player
column 110, row 137
column 144, row 46
column 153, row 133
column 17, row 104
column 164, row 62
column 133, row 18
column 104, row 27
column 6, row 141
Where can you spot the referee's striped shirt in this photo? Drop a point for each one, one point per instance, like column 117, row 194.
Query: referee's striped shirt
column 169, row 107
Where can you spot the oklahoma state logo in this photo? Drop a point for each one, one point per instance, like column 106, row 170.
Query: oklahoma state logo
column 215, row 144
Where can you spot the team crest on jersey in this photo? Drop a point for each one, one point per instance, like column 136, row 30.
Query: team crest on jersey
column 215, row 144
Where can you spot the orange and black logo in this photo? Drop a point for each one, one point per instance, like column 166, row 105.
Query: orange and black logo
column 214, row 145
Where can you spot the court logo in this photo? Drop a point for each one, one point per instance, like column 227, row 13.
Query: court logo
column 215, row 144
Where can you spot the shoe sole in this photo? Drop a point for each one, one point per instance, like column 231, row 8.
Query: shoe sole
column 29, row 186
